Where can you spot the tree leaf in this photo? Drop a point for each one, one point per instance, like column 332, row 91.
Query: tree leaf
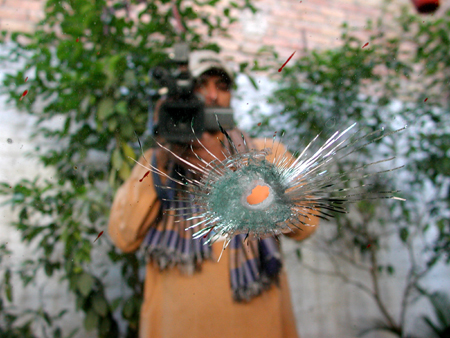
column 121, row 108
column 404, row 233
column 390, row 270
column 8, row 286
column 57, row 333
column 105, row 325
column 124, row 171
column 115, row 303
column 48, row 268
column 116, row 159
column 8, row 292
column 129, row 153
column 105, row 109
column 85, row 283
column 299, row 254
column 128, row 309
column 91, row 320
column 100, row 305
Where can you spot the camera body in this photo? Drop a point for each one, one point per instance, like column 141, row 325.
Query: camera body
column 183, row 116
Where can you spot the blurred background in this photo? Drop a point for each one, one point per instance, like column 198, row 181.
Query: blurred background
column 76, row 92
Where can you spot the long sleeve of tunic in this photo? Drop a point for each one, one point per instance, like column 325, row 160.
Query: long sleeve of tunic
column 198, row 305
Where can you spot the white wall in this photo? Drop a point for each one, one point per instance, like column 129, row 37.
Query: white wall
column 324, row 306
column 14, row 166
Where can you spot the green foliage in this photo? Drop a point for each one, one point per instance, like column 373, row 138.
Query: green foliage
column 401, row 77
column 87, row 66
column 432, row 43
column 332, row 85
column 327, row 90
column 22, row 324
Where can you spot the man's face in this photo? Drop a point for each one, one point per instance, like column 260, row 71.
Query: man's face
column 215, row 89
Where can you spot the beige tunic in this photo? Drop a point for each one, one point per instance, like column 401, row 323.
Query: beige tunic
column 201, row 305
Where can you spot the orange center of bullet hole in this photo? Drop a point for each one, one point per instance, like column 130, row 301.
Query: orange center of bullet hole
column 258, row 195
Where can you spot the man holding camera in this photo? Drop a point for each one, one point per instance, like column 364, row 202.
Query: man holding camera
column 187, row 292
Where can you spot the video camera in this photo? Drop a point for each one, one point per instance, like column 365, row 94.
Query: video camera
column 183, row 110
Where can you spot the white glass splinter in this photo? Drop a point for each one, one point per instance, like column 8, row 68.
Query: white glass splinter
column 245, row 193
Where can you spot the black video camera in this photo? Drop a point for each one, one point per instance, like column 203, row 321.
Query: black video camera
column 183, row 112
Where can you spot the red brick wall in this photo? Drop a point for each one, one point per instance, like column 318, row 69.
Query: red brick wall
column 20, row 15
column 294, row 25
column 287, row 25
